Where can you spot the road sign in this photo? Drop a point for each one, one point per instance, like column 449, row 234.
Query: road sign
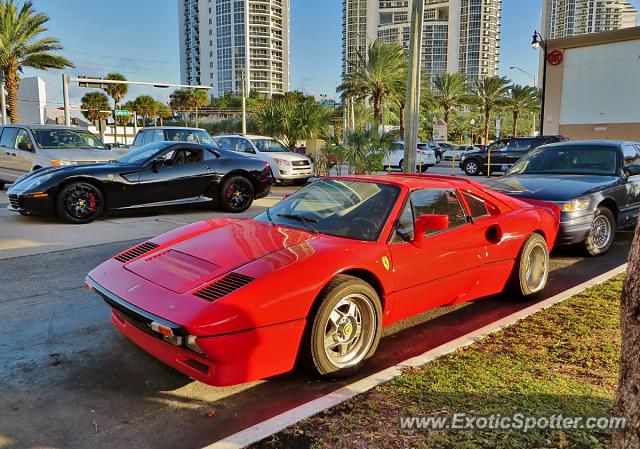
column 121, row 112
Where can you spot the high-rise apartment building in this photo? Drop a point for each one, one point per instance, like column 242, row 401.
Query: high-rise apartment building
column 224, row 41
column 459, row 35
column 563, row 18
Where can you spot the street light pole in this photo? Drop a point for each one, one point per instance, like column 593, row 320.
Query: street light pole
column 538, row 41
column 65, row 96
column 412, row 114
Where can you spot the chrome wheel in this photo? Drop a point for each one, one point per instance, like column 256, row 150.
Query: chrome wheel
column 471, row 168
column 601, row 232
column 350, row 330
column 537, row 267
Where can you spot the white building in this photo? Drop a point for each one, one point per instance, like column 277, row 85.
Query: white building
column 459, row 35
column 220, row 38
column 32, row 100
column 564, row 18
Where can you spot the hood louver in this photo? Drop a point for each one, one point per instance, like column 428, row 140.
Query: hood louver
column 231, row 282
column 136, row 251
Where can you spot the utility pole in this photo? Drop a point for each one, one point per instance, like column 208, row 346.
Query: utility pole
column 65, row 95
column 3, row 100
column 244, row 102
column 412, row 114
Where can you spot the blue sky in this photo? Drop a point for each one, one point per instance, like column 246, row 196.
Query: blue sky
column 140, row 39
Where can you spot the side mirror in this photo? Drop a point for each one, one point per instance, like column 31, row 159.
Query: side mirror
column 109, row 146
column 428, row 222
column 633, row 170
column 249, row 150
column 155, row 164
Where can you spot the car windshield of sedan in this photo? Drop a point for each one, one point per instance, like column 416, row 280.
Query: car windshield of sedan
column 342, row 208
column 269, row 146
column 568, row 160
column 67, row 139
column 143, row 154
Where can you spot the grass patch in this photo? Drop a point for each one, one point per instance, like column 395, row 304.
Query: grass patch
column 563, row 360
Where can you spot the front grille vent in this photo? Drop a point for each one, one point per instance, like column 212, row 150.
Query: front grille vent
column 136, row 251
column 300, row 163
column 230, row 283
column 15, row 201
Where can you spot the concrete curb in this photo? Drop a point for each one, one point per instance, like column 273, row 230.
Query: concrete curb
column 279, row 422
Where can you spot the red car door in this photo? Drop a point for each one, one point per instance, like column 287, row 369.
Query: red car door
column 449, row 264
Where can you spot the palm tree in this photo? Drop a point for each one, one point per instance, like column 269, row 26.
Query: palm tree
column 292, row 118
column 522, row 99
column 19, row 47
column 490, row 94
column 116, row 91
column 377, row 75
column 451, row 91
column 147, row 106
column 95, row 106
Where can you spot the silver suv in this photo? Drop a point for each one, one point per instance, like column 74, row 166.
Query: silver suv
column 29, row 147
column 171, row 134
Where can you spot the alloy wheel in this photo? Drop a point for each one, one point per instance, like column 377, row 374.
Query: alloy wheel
column 537, row 267
column 238, row 193
column 82, row 202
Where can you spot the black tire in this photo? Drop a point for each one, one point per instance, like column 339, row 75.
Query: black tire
column 300, row 182
column 438, row 158
column 236, row 194
column 472, row 167
column 602, row 233
column 80, row 203
column 334, row 300
column 401, row 165
column 422, row 169
column 275, row 180
column 2, row 185
column 528, row 281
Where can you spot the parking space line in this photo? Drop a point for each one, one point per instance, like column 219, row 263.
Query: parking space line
column 279, row 422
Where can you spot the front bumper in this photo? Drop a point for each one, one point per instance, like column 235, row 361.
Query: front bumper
column 573, row 229
column 228, row 359
column 293, row 171
column 30, row 204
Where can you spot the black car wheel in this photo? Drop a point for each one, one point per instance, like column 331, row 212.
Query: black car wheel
column 1, row 185
column 531, row 271
column 300, row 182
column 346, row 328
column 80, row 202
column 602, row 232
column 471, row 167
column 438, row 158
column 236, row 194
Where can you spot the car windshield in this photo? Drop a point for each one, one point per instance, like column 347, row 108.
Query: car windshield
column 569, row 160
column 342, row 208
column 269, row 146
column 144, row 153
column 67, row 139
column 189, row 135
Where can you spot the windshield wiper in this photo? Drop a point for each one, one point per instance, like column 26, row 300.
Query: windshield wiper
column 269, row 216
column 306, row 221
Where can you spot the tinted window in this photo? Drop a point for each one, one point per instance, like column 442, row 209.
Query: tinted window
column 521, row 144
column 67, row 139
column 630, row 155
column 139, row 139
column 142, row 154
column 569, row 159
column 228, row 143
column 477, row 206
column 269, row 146
column 9, row 137
column 157, row 135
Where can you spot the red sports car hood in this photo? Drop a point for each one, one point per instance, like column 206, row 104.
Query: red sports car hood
column 186, row 263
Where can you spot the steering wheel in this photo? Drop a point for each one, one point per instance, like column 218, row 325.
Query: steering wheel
column 366, row 226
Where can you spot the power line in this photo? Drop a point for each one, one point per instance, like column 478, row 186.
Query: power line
column 119, row 57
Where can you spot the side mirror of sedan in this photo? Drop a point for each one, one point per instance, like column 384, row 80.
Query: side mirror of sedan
column 428, row 222
column 156, row 163
column 633, row 170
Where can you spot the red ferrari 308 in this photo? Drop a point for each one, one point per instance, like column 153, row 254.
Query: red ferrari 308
column 317, row 276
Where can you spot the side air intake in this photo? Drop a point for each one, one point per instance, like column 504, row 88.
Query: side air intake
column 136, row 251
column 230, row 283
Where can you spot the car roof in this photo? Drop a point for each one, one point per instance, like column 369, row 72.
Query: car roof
column 36, row 126
column 410, row 181
column 246, row 136
column 600, row 143
column 173, row 127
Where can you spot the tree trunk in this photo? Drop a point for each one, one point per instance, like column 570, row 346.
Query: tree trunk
column 447, row 111
column 377, row 108
column 12, row 83
column 516, row 117
column 628, row 402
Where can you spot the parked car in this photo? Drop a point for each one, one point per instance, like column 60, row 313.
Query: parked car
column 171, row 134
column 438, row 147
column 504, row 153
column 457, row 152
column 317, row 276
column 596, row 184
column 157, row 174
column 285, row 165
column 425, row 158
column 24, row 148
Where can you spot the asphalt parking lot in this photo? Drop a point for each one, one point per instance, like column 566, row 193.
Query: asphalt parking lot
column 69, row 379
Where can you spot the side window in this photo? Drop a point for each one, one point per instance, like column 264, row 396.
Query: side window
column 520, row 144
column 209, row 155
column 630, row 155
column 139, row 139
column 158, row 135
column 9, row 137
column 228, row 143
column 244, row 146
column 477, row 206
column 432, row 202
column 23, row 141
column 148, row 137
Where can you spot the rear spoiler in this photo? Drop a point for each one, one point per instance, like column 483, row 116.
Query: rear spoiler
column 551, row 207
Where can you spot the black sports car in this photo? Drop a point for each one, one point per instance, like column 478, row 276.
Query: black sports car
column 158, row 174
column 596, row 185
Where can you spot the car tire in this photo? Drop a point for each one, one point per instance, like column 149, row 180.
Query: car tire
column 471, row 167
column 300, row 182
column 345, row 328
column 401, row 165
column 438, row 158
column 531, row 270
column 236, row 194
column 79, row 203
column 602, row 232
column 275, row 180
column 2, row 185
